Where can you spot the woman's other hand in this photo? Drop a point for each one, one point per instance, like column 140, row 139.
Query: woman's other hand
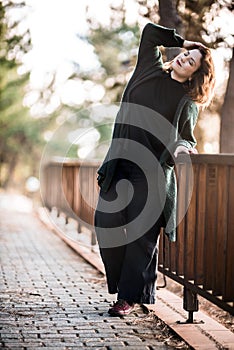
column 183, row 149
column 188, row 44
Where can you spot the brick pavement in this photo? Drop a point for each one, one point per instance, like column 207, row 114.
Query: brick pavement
column 51, row 297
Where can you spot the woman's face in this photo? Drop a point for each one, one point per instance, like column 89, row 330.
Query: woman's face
column 185, row 64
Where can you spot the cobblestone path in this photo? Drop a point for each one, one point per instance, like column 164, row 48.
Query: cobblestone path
column 51, row 297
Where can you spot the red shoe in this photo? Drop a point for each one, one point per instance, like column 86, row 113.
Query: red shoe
column 120, row 308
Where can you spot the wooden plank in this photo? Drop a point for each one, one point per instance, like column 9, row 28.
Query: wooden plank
column 95, row 191
column 179, row 250
column 181, row 179
column 84, row 194
column 210, row 237
column 160, row 253
column 221, row 231
column 56, row 186
column 225, row 159
column 228, row 294
column 216, row 159
column 166, row 257
column 190, row 227
column 69, row 185
column 66, row 191
column 200, row 227
column 90, row 196
column 172, row 253
column 49, row 193
column 45, row 187
column 77, row 192
column 86, row 214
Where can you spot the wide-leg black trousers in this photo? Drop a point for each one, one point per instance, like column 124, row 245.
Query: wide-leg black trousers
column 128, row 242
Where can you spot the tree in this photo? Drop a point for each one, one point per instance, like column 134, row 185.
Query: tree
column 120, row 43
column 20, row 135
column 227, row 125
column 169, row 17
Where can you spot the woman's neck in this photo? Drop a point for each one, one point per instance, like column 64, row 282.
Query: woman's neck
column 177, row 77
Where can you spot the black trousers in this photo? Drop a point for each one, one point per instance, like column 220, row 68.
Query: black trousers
column 128, row 239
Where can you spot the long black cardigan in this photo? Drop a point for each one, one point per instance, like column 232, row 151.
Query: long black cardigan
column 149, row 65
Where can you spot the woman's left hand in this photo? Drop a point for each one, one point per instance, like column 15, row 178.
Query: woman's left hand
column 188, row 44
column 183, row 149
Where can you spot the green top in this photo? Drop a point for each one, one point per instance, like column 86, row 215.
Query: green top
column 149, row 66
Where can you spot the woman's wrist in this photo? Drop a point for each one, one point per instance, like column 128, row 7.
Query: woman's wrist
column 187, row 44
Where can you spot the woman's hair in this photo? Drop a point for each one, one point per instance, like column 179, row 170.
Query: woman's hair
column 200, row 87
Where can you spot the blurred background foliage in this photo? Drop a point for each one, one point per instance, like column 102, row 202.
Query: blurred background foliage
column 31, row 117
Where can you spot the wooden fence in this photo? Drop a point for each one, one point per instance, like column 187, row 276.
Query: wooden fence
column 202, row 258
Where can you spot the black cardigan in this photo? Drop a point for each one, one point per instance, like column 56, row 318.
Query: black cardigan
column 149, row 65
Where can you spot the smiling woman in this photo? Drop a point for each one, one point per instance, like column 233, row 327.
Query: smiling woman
column 154, row 99
column 185, row 64
column 195, row 68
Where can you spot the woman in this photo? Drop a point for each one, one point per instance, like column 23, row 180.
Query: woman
column 137, row 180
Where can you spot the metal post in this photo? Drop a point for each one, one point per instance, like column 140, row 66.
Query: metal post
column 190, row 305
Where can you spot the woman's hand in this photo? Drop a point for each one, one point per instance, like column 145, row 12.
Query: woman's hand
column 183, row 149
column 188, row 44
column 97, row 186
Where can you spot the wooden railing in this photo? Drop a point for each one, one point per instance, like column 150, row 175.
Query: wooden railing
column 202, row 258
column 70, row 187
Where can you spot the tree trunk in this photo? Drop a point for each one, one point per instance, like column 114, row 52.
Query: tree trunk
column 170, row 18
column 227, row 115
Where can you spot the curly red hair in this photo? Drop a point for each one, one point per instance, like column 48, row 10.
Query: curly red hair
column 200, row 87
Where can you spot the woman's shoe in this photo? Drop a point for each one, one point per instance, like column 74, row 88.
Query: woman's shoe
column 121, row 308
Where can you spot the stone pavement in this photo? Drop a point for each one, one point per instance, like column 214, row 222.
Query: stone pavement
column 51, row 297
column 206, row 333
